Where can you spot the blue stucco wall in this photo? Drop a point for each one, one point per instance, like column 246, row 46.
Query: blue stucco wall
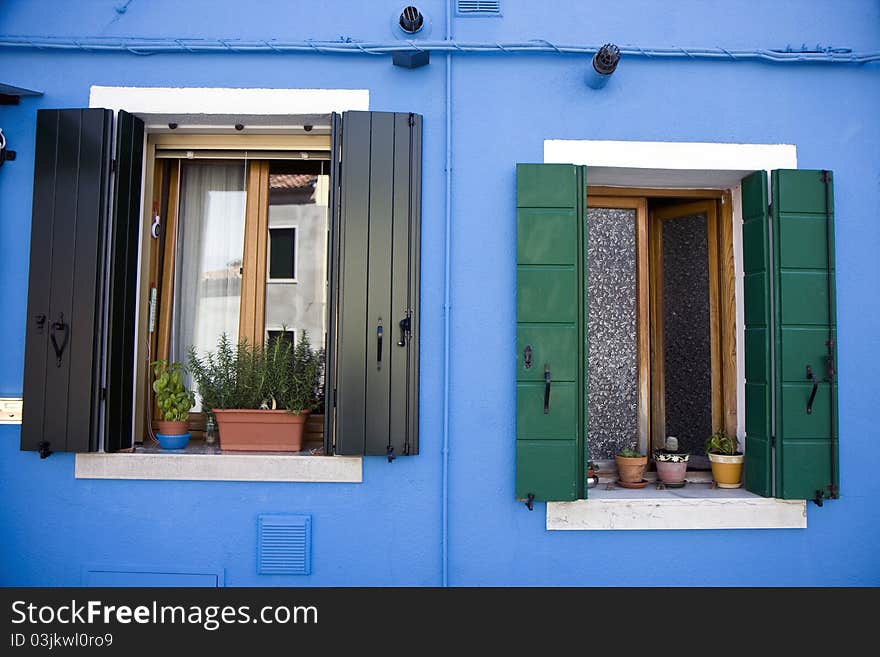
column 388, row 530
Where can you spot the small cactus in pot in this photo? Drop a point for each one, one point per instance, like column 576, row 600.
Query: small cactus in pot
column 671, row 463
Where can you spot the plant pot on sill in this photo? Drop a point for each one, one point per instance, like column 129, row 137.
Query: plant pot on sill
column 727, row 470
column 171, row 427
column 258, row 430
column 671, row 468
column 631, row 470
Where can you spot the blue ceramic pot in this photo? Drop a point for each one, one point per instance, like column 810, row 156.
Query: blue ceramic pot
column 173, row 442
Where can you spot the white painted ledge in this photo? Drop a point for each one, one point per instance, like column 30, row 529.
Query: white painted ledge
column 220, row 467
column 701, row 509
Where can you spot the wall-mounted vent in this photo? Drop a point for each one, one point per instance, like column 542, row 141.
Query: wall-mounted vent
column 284, row 544
column 479, row 7
column 411, row 20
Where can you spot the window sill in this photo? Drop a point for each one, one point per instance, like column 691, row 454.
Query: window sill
column 221, row 466
column 697, row 506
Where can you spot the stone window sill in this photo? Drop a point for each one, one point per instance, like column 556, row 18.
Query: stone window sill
column 207, row 463
column 696, row 506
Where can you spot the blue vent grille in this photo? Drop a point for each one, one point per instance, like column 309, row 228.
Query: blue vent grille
column 284, row 544
column 479, row 7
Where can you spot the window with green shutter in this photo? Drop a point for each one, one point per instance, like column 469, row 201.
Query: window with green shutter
column 788, row 333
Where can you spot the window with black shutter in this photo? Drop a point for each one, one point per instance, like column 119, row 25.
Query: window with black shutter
column 84, row 380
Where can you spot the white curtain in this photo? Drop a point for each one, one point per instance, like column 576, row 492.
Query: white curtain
column 210, row 244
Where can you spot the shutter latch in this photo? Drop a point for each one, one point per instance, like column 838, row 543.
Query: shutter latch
column 405, row 329
column 530, row 502
column 811, row 377
column 44, row 449
column 389, row 452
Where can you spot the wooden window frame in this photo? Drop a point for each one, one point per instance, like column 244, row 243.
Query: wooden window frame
column 640, row 205
column 163, row 187
column 722, row 281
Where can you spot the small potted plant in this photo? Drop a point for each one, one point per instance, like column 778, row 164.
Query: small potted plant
column 173, row 402
column 260, row 396
column 631, row 466
column 671, row 463
column 727, row 462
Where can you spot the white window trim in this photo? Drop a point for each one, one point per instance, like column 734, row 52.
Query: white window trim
column 679, row 165
column 283, row 224
column 222, row 467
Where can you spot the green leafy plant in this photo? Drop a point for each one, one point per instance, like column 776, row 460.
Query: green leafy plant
column 172, row 398
column 720, row 443
column 278, row 375
column 630, row 453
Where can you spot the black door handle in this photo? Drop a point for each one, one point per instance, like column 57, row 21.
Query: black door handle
column 547, row 380
column 811, row 377
column 379, row 332
column 55, row 327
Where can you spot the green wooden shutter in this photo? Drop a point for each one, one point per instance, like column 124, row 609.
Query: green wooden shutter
column 373, row 353
column 804, row 334
column 790, row 335
column 758, row 335
column 551, row 316
column 62, row 368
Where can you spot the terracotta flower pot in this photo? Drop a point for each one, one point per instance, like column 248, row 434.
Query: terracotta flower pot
column 631, row 470
column 260, row 430
column 171, row 427
column 671, row 473
column 727, row 470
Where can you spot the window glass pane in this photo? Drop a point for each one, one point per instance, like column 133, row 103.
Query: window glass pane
column 612, row 383
column 298, row 200
column 282, row 252
column 210, row 243
column 687, row 341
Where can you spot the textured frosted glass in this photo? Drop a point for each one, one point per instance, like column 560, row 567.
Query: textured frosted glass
column 612, row 421
column 687, row 357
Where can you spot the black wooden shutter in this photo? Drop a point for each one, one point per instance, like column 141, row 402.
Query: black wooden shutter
column 78, row 327
column 63, row 335
column 373, row 348
column 122, row 292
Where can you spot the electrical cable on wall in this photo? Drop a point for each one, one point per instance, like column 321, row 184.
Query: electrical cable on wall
column 150, row 46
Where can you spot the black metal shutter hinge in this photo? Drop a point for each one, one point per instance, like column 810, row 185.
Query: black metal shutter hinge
column 412, row 119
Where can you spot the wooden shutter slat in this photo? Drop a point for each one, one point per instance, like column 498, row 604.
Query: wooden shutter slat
column 551, row 306
column 122, row 328
column 758, row 335
column 379, row 267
